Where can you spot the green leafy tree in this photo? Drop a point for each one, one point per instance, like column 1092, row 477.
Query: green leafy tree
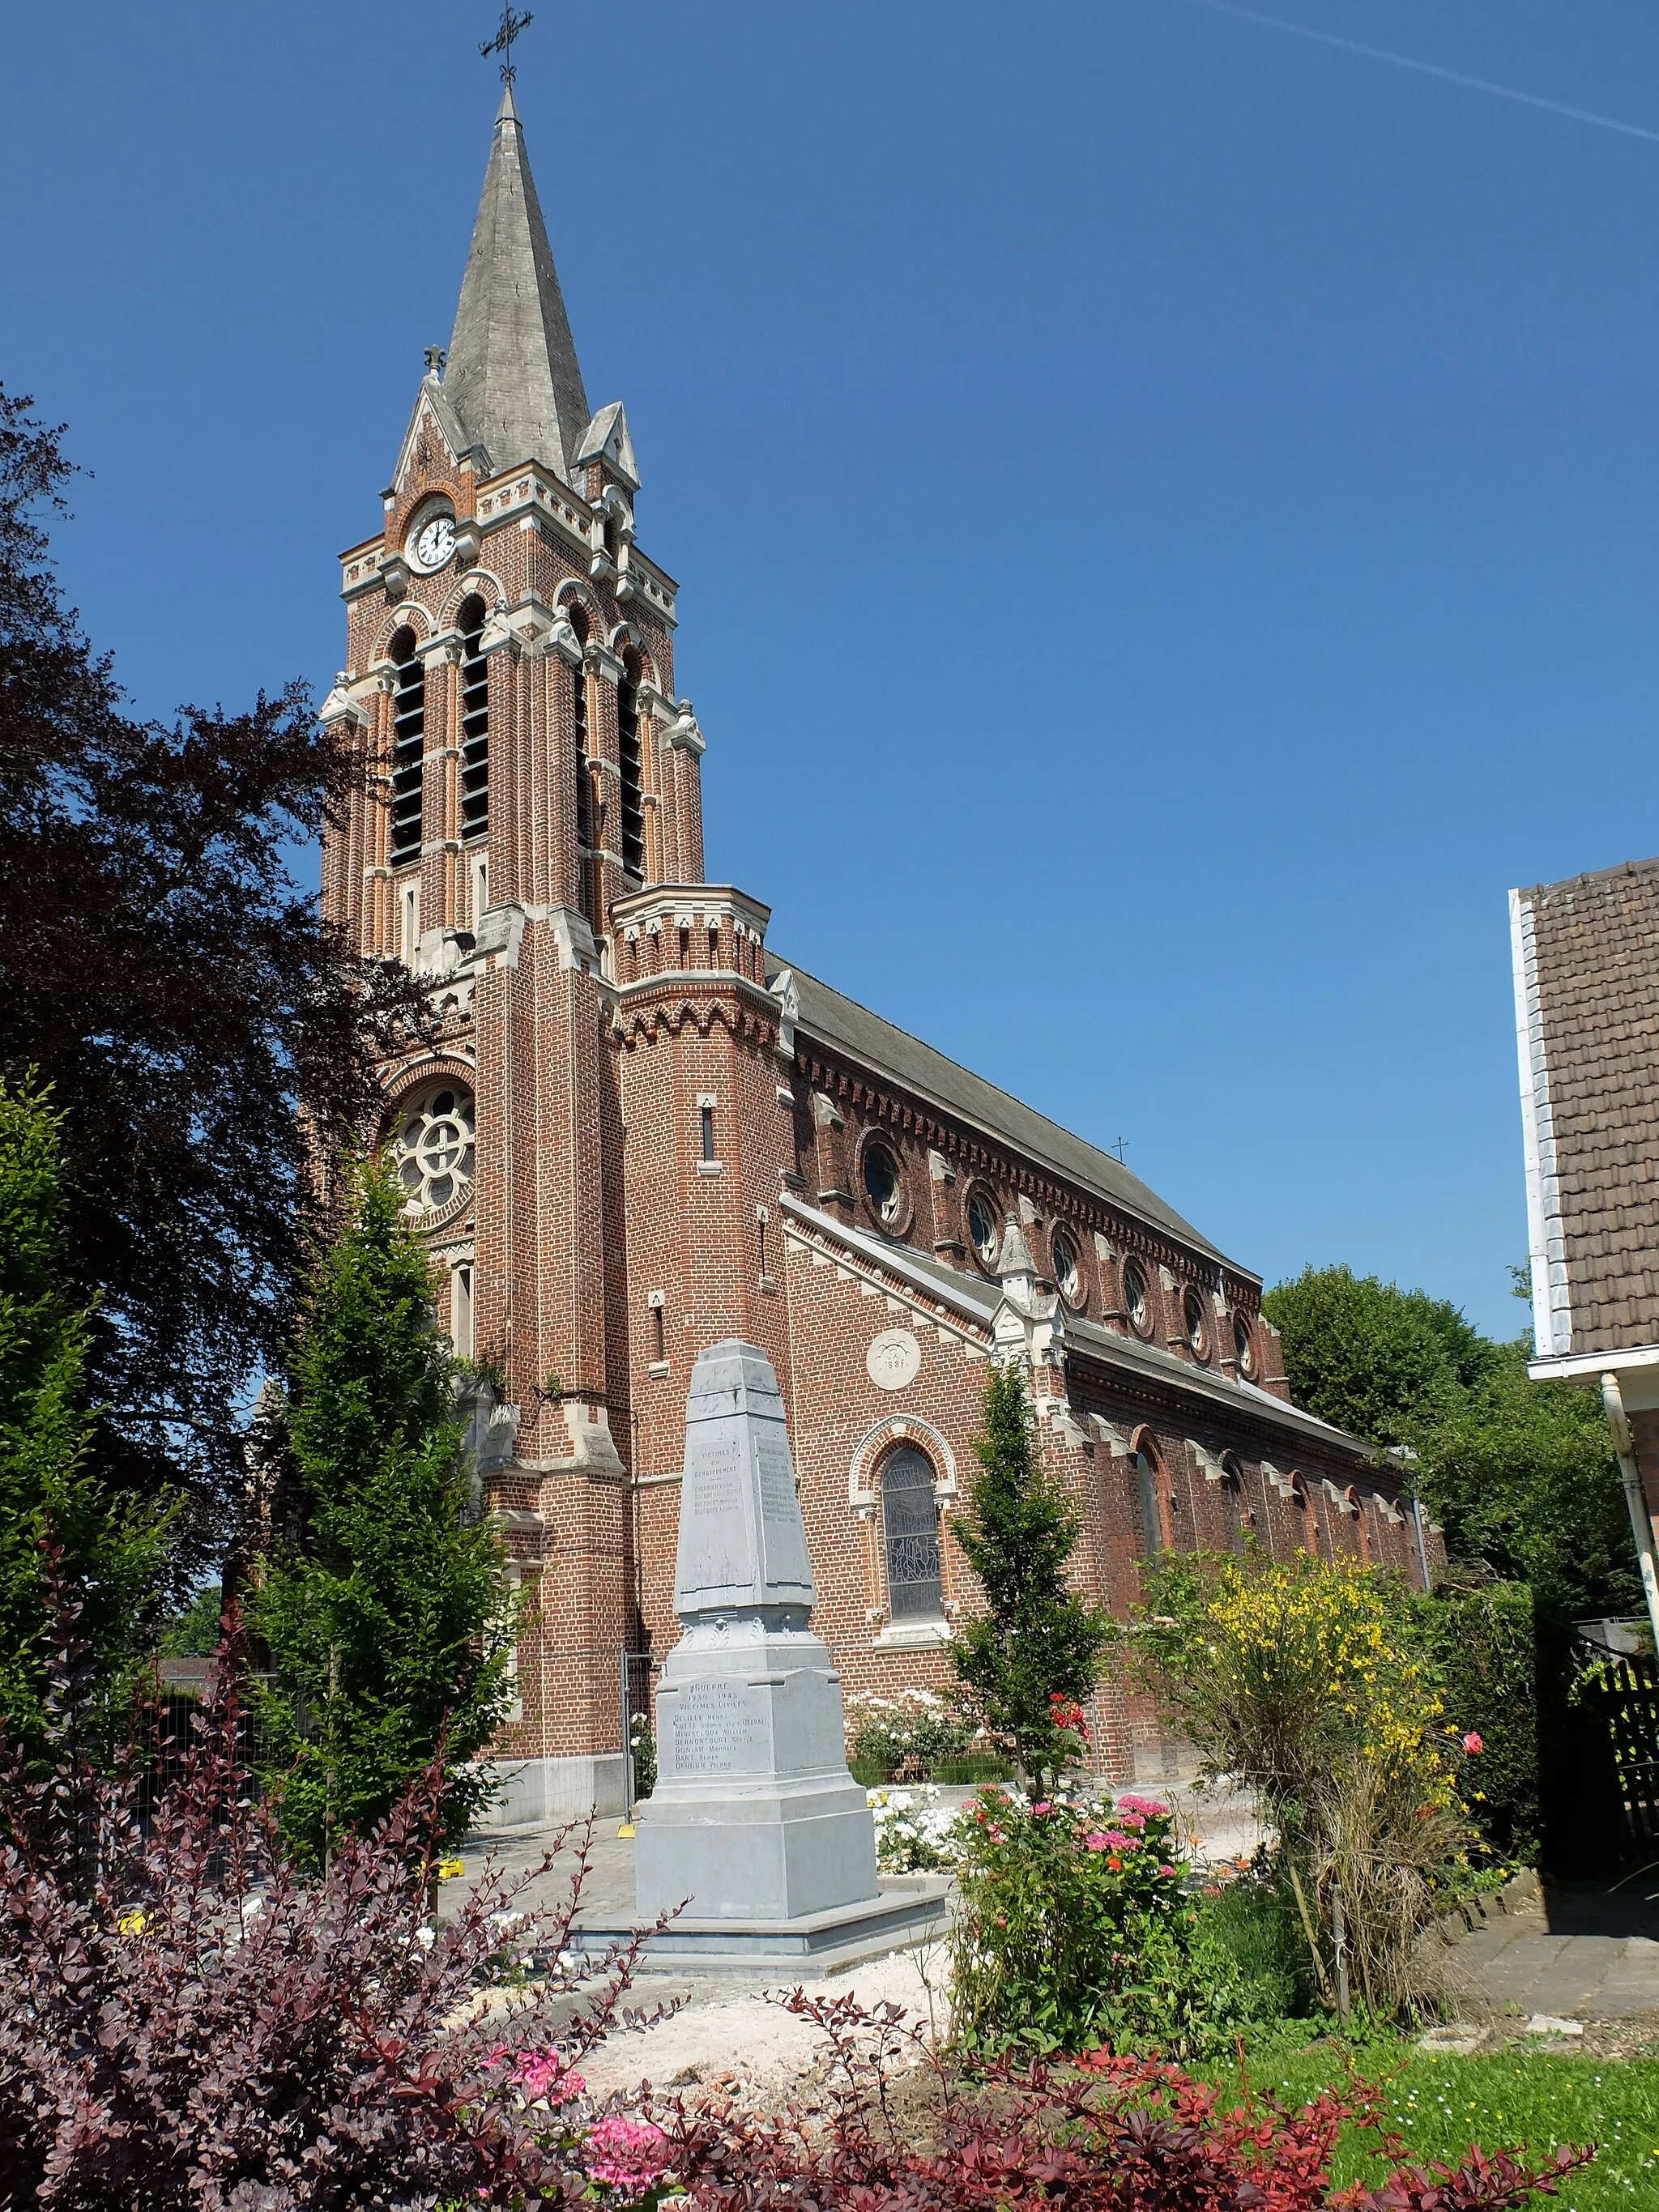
column 1038, row 1638
column 1377, row 1360
column 114, row 1551
column 1522, row 1474
column 388, row 1617
column 197, row 1631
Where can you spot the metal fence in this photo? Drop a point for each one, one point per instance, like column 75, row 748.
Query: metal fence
column 1625, row 1691
column 638, row 1672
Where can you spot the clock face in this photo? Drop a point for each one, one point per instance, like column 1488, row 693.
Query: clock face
column 435, row 542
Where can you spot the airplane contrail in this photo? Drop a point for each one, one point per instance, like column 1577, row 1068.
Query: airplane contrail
column 1431, row 68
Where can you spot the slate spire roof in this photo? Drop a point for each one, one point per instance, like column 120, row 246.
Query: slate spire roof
column 512, row 377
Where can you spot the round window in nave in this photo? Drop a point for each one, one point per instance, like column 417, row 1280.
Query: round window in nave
column 982, row 1228
column 433, row 1147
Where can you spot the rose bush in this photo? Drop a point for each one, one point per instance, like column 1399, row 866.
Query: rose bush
column 1075, row 1928
column 905, row 1734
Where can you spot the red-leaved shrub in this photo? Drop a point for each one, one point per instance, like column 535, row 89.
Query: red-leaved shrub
column 186, row 2023
column 897, row 2131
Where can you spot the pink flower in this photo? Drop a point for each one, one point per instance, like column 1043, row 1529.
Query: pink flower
column 1148, row 1806
column 544, row 2074
column 1473, row 1743
column 1131, row 1820
column 1166, row 1869
column 1096, row 1841
column 1044, row 1807
column 1120, row 1842
column 631, row 2154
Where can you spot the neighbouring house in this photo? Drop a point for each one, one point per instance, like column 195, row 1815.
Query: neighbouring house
column 642, row 1131
column 1586, row 956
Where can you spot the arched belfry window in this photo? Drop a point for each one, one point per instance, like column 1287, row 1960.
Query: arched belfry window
column 475, row 720
column 909, row 1513
column 407, row 745
column 630, row 762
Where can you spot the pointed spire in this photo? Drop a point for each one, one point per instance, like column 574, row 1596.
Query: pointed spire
column 511, row 376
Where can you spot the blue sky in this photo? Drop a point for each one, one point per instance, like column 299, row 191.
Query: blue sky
column 1165, row 508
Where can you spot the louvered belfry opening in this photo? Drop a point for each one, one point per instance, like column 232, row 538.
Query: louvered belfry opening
column 629, row 760
column 474, row 721
column 578, row 718
column 407, row 746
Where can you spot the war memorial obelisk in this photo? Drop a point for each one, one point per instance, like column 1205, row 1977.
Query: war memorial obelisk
column 755, row 1821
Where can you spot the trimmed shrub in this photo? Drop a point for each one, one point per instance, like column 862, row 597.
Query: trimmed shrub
column 1480, row 1643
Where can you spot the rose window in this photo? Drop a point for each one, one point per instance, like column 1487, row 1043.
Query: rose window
column 434, row 1147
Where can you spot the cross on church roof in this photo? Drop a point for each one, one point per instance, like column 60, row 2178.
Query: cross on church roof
column 501, row 44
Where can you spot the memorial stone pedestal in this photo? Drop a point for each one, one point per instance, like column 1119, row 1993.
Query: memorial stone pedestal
column 755, row 1819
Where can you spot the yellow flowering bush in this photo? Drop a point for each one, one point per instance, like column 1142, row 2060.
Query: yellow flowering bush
column 1304, row 1679
column 1277, row 1669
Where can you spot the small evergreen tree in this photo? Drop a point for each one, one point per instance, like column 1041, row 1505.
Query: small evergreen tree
column 386, row 1614
column 1038, row 1640
column 114, row 1551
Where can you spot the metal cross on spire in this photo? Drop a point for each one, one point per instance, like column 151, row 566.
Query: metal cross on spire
column 501, row 44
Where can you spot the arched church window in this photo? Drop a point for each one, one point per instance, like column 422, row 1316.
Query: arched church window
column 578, row 615
column 1157, row 1516
column 433, row 1148
column 407, row 745
column 475, row 720
column 1068, row 1267
column 1137, row 1302
column 909, row 1513
column 1232, row 1498
column 629, row 761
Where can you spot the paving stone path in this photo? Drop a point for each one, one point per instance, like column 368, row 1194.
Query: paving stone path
column 1568, row 1951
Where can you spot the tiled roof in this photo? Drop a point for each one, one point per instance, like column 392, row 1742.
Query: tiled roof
column 1587, row 1005
column 884, row 1049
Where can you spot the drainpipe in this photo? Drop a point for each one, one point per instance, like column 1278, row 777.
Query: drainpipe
column 1612, row 1405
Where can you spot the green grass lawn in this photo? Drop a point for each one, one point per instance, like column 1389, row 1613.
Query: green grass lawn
column 1440, row 2105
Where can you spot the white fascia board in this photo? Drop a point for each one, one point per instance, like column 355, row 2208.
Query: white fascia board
column 1631, row 1361
column 1552, row 1312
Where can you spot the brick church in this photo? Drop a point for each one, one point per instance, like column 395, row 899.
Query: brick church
column 642, row 1130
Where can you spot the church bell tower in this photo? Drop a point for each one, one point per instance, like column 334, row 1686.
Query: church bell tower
column 527, row 769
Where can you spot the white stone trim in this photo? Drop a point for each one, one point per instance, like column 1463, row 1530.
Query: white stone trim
column 903, row 1428
column 913, row 1636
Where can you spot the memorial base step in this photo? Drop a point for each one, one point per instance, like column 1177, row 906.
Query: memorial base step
column 813, row 1943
